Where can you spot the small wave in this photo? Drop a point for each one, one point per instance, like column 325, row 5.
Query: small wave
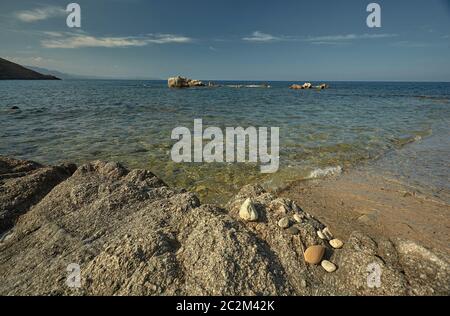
column 321, row 173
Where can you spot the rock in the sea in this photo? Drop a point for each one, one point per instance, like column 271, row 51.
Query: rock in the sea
column 248, row 211
column 336, row 243
column 195, row 83
column 15, row 107
column 321, row 235
column 296, row 87
column 314, row 254
column 178, row 82
column 284, row 222
column 182, row 82
column 322, row 86
column 328, row 266
column 307, row 85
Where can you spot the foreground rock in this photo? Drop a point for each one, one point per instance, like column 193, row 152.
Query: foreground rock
column 23, row 184
column 133, row 235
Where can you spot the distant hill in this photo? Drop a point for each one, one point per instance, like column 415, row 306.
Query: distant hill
column 65, row 76
column 13, row 71
column 56, row 73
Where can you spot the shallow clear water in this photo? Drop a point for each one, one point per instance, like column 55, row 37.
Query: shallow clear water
column 131, row 121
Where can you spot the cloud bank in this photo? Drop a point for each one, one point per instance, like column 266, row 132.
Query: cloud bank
column 260, row 37
column 40, row 14
column 74, row 40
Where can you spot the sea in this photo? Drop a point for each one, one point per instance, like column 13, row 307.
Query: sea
column 401, row 129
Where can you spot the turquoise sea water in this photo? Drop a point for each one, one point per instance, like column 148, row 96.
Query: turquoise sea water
column 351, row 123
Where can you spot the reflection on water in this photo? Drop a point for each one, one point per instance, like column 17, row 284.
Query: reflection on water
column 131, row 121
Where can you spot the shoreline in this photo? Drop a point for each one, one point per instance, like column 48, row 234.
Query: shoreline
column 376, row 205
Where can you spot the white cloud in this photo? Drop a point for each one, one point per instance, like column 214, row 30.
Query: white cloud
column 40, row 14
column 347, row 37
column 258, row 36
column 76, row 40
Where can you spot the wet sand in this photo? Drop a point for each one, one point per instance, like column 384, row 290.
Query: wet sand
column 375, row 204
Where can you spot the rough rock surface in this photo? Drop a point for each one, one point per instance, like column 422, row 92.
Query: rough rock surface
column 23, row 184
column 132, row 235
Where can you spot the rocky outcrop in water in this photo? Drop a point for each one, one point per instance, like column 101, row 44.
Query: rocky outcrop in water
column 133, row 235
column 308, row 85
column 182, row 82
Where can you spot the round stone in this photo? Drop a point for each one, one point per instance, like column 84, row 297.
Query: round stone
column 328, row 266
column 314, row 254
column 284, row 222
column 248, row 211
column 336, row 243
column 293, row 230
column 321, row 235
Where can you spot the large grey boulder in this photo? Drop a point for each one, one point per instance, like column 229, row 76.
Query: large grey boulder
column 132, row 235
column 23, row 184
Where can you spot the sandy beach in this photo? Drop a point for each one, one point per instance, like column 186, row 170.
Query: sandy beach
column 376, row 205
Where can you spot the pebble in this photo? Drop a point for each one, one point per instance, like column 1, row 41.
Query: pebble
column 298, row 218
column 248, row 211
column 293, row 230
column 328, row 266
column 336, row 243
column 314, row 254
column 321, row 235
column 303, row 283
column 326, row 231
column 284, row 222
column 282, row 210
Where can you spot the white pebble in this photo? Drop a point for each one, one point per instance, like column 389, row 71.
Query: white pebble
column 284, row 222
column 248, row 211
column 298, row 218
column 328, row 266
column 321, row 235
column 326, row 231
column 336, row 243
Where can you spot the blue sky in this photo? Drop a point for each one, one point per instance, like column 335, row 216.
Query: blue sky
column 233, row 39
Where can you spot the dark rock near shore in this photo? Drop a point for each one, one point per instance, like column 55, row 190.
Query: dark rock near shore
column 132, row 235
